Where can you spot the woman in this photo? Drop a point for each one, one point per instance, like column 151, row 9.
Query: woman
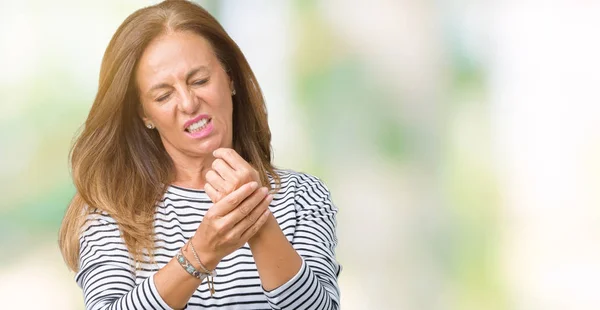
column 178, row 204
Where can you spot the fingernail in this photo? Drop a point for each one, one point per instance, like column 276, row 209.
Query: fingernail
column 253, row 185
column 270, row 198
column 264, row 190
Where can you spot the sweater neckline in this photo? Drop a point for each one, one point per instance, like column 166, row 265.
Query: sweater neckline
column 187, row 192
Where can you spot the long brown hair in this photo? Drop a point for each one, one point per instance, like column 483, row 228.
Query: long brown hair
column 120, row 167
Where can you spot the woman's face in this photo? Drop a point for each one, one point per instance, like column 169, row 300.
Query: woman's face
column 186, row 94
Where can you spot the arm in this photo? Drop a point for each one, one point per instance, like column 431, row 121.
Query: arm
column 303, row 274
column 106, row 273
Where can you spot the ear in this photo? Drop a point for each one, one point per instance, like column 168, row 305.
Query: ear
column 142, row 114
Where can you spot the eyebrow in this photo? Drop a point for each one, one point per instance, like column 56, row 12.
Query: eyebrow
column 187, row 77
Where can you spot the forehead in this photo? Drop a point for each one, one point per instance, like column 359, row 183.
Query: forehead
column 172, row 55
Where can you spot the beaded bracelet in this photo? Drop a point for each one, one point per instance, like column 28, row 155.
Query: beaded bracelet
column 201, row 275
column 189, row 267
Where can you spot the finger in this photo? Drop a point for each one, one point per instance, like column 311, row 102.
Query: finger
column 231, row 201
column 232, row 158
column 212, row 193
column 252, row 230
column 245, row 223
column 224, row 170
column 218, row 183
column 246, row 207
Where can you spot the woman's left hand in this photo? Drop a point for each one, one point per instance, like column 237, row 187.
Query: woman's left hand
column 229, row 172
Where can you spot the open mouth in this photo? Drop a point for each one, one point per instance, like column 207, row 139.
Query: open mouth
column 198, row 126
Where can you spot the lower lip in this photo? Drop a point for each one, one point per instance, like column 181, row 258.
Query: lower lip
column 203, row 132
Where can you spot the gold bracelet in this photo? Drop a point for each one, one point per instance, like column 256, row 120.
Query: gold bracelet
column 197, row 258
column 210, row 275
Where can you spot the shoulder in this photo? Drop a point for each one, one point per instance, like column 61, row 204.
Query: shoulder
column 309, row 191
column 101, row 242
column 100, row 233
column 300, row 181
column 98, row 221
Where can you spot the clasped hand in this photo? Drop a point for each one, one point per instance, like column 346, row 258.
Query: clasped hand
column 241, row 207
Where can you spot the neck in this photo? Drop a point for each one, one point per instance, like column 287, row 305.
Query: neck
column 190, row 177
column 190, row 171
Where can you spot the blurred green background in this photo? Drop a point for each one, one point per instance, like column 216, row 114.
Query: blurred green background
column 460, row 140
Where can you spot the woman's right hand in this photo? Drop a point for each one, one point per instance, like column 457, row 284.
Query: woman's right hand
column 229, row 223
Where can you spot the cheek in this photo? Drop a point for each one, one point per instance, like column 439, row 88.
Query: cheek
column 163, row 116
column 228, row 113
column 223, row 106
column 149, row 113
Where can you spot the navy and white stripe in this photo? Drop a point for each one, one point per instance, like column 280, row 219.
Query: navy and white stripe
column 304, row 211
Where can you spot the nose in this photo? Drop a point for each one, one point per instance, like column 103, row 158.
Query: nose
column 189, row 103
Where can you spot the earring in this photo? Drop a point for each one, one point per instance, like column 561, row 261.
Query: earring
column 233, row 92
column 150, row 126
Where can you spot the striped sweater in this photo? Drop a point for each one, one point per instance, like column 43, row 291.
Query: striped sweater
column 304, row 211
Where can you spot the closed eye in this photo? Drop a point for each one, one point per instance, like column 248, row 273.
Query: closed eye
column 163, row 97
column 200, row 82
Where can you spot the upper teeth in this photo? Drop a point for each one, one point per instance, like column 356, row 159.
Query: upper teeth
column 197, row 125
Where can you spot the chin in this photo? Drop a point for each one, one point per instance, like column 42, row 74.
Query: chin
column 207, row 147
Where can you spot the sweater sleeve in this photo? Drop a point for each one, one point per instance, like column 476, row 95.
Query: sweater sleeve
column 315, row 285
column 106, row 272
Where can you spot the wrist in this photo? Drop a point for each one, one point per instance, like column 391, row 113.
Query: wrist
column 264, row 231
column 208, row 259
